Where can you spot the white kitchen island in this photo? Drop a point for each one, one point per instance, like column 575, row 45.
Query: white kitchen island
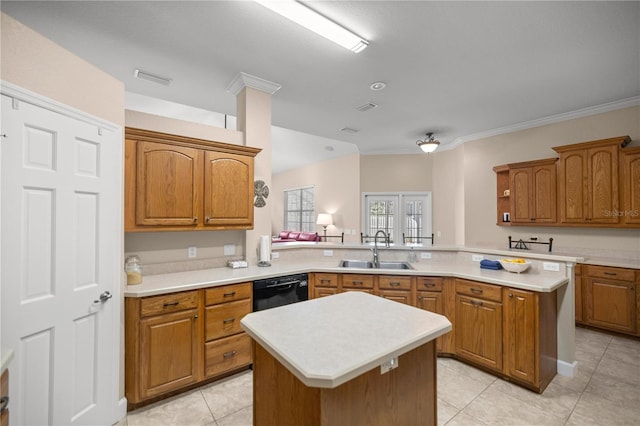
column 321, row 362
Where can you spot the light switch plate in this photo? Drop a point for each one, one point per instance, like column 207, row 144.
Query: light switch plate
column 328, row 253
column 425, row 255
column 275, row 254
column 551, row 266
column 192, row 252
column 389, row 365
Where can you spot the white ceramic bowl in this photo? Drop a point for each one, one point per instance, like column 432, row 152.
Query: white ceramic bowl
column 515, row 267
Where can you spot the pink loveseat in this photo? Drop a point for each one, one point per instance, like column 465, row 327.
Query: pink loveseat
column 296, row 236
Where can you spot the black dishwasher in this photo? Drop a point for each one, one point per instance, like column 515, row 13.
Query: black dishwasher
column 279, row 291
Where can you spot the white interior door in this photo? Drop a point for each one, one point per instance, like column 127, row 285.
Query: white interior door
column 61, row 250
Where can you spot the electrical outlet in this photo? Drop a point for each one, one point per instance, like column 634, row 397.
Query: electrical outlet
column 275, row 254
column 389, row 365
column 477, row 257
column 551, row 266
column 192, row 252
column 328, row 253
column 425, row 255
column 438, row 234
column 229, row 249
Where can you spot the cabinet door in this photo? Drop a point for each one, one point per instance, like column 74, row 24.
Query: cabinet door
column 323, row 291
column 521, row 195
column 521, row 335
column 432, row 301
column 228, row 190
column 478, row 331
column 631, row 187
column 401, row 296
column 168, row 352
column 544, row 194
column 572, row 172
column 168, row 185
column 602, row 181
column 610, row 304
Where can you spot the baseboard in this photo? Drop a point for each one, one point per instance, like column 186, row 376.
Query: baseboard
column 568, row 369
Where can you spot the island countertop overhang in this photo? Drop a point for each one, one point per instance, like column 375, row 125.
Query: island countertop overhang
column 328, row 341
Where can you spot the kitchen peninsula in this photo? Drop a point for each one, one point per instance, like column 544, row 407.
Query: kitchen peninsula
column 351, row 358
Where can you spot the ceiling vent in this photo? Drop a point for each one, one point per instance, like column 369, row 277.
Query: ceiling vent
column 349, row 130
column 367, row 107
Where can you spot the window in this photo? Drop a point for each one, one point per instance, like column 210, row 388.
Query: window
column 299, row 210
column 396, row 214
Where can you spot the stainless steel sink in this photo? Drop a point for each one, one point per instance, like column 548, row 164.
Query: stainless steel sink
column 364, row 264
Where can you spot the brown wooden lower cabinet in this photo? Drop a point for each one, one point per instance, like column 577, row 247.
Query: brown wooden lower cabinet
column 609, row 298
column 172, row 342
column 4, row 393
column 405, row 395
column 479, row 331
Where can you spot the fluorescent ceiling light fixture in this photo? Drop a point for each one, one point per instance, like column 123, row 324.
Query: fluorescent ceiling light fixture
column 151, row 77
column 302, row 15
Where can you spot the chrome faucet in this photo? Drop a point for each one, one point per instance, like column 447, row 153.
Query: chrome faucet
column 376, row 261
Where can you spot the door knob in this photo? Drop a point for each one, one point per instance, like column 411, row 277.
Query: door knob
column 104, row 297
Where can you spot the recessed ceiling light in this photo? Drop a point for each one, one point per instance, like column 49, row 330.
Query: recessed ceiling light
column 165, row 81
column 378, row 85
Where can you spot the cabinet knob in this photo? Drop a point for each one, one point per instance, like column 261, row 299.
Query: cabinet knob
column 207, row 219
column 511, row 295
column 195, row 316
column 195, row 219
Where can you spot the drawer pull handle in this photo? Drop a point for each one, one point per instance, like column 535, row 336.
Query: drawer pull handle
column 228, row 320
column 476, row 302
column 394, row 283
column 356, row 282
column 610, row 273
column 229, row 354
column 170, row 304
column 324, row 280
column 476, row 290
column 428, row 284
column 230, row 294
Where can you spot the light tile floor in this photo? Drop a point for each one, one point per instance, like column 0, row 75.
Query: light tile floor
column 606, row 391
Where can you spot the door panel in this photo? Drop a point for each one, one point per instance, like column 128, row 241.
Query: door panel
column 61, row 238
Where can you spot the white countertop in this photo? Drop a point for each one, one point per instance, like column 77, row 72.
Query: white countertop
column 328, row 341
column 191, row 280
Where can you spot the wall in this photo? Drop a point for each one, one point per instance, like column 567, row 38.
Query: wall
column 448, row 197
column 337, row 191
column 480, row 156
column 396, row 173
column 162, row 252
column 33, row 62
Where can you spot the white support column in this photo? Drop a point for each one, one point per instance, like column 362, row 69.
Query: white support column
column 567, row 364
column 253, row 96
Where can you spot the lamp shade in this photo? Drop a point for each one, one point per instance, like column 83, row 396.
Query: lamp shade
column 324, row 219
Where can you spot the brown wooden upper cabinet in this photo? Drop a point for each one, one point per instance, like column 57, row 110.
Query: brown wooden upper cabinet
column 179, row 183
column 533, row 191
column 588, row 181
column 631, row 185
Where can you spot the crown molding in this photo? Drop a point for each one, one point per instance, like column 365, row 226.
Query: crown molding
column 243, row 80
column 598, row 109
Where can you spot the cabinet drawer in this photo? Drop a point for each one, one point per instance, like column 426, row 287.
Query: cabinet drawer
column 167, row 303
column 224, row 319
column 618, row 274
column 394, row 283
column 401, row 296
column 227, row 354
column 480, row 290
column 326, row 280
column 227, row 293
column 357, row 281
column 429, row 283
column 322, row 292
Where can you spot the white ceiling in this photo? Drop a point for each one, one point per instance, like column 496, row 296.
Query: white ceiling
column 454, row 68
